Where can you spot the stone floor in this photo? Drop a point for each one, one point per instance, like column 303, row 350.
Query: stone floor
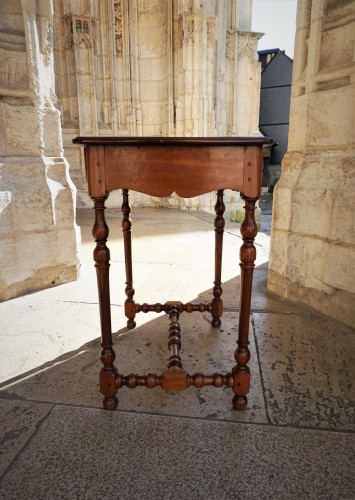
column 295, row 440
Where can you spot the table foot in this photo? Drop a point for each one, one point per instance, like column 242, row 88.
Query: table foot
column 240, row 402
column 216, row 322
column 110, row 403
column 131, row 324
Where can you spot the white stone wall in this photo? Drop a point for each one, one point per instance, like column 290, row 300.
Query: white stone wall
column 38, row 234
column 312, row 256
column 152, row 68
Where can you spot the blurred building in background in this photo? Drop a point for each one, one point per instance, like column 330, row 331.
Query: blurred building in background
column 275, row 96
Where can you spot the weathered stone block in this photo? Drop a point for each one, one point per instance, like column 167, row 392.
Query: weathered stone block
column 152, row 43
column 312, row 254
column 151, row 13
column 15, row 137
column 329, row 122
column 53, row 145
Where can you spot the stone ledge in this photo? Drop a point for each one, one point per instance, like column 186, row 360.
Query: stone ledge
column 339, row 305
column 42, row 278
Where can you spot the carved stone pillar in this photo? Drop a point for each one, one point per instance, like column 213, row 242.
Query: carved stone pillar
column 92, row 69
column 247, row 92
column 80, row 40
column 242, row 81
column 194, row 63
column 312, row 255
column 150, row 33
column 38, row 237
column 121, row 64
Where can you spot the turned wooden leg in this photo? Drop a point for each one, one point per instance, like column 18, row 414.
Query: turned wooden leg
column 130, row 307
column 108, row 372
column 241, row 372
column 217, row 304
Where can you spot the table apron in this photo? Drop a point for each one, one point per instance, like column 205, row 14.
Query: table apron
column 161, row 171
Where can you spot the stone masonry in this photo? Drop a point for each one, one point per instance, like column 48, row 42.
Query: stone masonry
column 312, row 255
column 38, row 235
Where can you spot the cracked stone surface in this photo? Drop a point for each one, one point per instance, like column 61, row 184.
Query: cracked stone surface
column 308, row 367
column 18, row 422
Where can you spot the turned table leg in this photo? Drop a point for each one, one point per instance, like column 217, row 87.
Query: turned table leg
column 108, row 372
column 130, row 307
column 217, row 304
column 241, row 372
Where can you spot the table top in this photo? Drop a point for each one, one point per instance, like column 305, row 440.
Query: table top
column 173, row 141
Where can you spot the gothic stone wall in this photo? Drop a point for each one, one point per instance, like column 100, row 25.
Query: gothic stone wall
column 312, row 256
column 38, row 235
column 152, row 68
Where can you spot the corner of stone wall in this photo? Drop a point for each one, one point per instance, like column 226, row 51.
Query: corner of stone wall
column 39, row 238
column 312, row 253
column 339, row 304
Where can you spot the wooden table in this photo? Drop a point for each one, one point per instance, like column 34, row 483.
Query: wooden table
column 158, row 167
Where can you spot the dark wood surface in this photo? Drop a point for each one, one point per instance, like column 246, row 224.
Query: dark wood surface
column 167, row 142
column 158, row 167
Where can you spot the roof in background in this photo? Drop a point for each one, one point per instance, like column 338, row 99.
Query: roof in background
column 277, row 54
column 268, row 51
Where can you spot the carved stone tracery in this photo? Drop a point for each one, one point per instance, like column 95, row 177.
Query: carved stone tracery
column 188, row 27
column 79, row 31
column 117, row 6
column 230, row 44
column 211, row 29
column 246, row 46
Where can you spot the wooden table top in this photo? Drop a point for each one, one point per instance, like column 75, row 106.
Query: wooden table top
column 173, row 141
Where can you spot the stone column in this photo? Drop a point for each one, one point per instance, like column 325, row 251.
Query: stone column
column 75, row 29
column 39, row 239
column 150, row 32
column 242, row 81
column 312, row 255
column 194, row 68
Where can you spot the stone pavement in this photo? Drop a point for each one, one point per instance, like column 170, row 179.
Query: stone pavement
column 296, row 439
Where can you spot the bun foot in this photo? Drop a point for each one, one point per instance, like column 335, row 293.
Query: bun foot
column 110, row 403
column 216, row 322
column 240, row 402
column 131, row 324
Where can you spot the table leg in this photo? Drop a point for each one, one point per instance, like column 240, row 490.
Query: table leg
column 130, row 307
column 241, row 372
column 217, row 304
column 108, row 372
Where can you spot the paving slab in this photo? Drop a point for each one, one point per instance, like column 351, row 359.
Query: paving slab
column 18, row 422
column 308, row 370
column 97, row 454
column 44, row 331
